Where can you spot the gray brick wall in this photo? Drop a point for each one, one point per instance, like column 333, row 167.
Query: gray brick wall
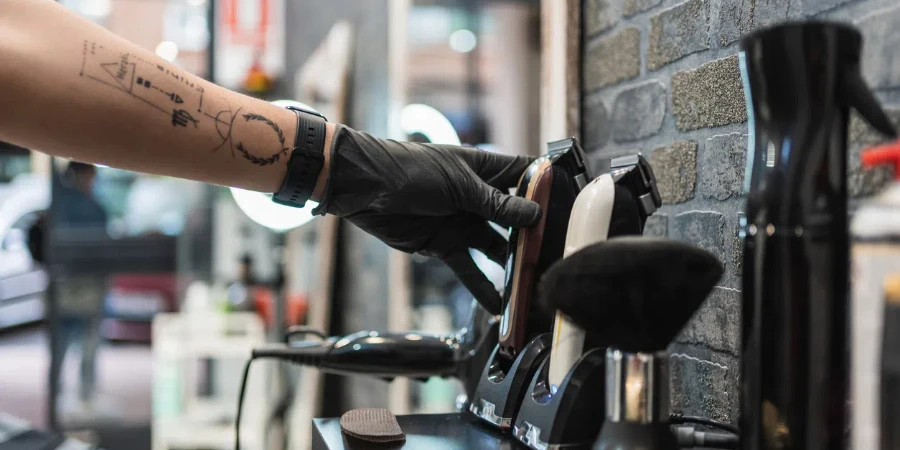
column 661, row 77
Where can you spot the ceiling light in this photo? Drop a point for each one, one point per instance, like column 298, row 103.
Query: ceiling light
column 463, row 41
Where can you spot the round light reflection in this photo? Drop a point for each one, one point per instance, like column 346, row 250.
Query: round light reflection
column 95, row 9
column 167, row 50
column 463, row 41
column 425, row 120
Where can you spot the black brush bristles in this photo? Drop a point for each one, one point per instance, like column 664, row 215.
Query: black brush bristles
column 633, row 293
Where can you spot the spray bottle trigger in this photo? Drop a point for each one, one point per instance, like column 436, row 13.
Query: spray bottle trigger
column 883, row 154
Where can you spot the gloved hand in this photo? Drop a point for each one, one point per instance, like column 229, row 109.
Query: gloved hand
column 434, row 200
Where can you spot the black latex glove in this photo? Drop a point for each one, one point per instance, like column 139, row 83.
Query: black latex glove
column 434, row 200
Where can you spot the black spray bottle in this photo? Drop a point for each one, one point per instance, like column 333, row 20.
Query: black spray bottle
column 889, row 388
column 800, row 80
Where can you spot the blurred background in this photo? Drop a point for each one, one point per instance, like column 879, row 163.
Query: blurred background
column 129, row 303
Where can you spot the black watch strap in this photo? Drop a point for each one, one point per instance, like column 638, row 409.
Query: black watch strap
column 306, row 161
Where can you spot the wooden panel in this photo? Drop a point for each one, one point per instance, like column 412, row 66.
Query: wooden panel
column 560, row 69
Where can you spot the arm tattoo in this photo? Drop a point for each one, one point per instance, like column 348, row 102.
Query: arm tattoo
column 183, row 101
column 263, row 161
column 273, row 125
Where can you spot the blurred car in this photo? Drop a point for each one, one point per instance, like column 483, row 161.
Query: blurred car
column 22, row 280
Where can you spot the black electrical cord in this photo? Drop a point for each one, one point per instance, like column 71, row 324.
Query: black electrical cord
column 721, row 440
column 301, row 329
column 240, row 405
column 676, row 419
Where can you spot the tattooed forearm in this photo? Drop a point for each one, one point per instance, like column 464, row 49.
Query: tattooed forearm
column 185, row 103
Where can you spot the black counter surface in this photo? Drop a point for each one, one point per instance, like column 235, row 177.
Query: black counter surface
column 457, row 431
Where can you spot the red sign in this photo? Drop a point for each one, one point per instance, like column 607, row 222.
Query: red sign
column 246, row 21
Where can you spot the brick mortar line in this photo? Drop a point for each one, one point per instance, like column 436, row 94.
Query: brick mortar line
column 620, row 24
column 705, row 345
column 590, row 40
column 876, row 12
column 832, row 9
column 701, row 361
column 665, row 137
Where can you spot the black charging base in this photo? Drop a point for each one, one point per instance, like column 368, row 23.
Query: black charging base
column 500, row 390
column 572, row 416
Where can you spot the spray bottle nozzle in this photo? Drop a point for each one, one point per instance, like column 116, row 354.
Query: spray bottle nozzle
column 883, row 154
column 861, row 98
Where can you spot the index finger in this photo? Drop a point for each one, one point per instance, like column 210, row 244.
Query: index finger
column 497, row 170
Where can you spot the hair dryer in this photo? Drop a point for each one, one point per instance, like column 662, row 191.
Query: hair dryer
column 461, row 354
